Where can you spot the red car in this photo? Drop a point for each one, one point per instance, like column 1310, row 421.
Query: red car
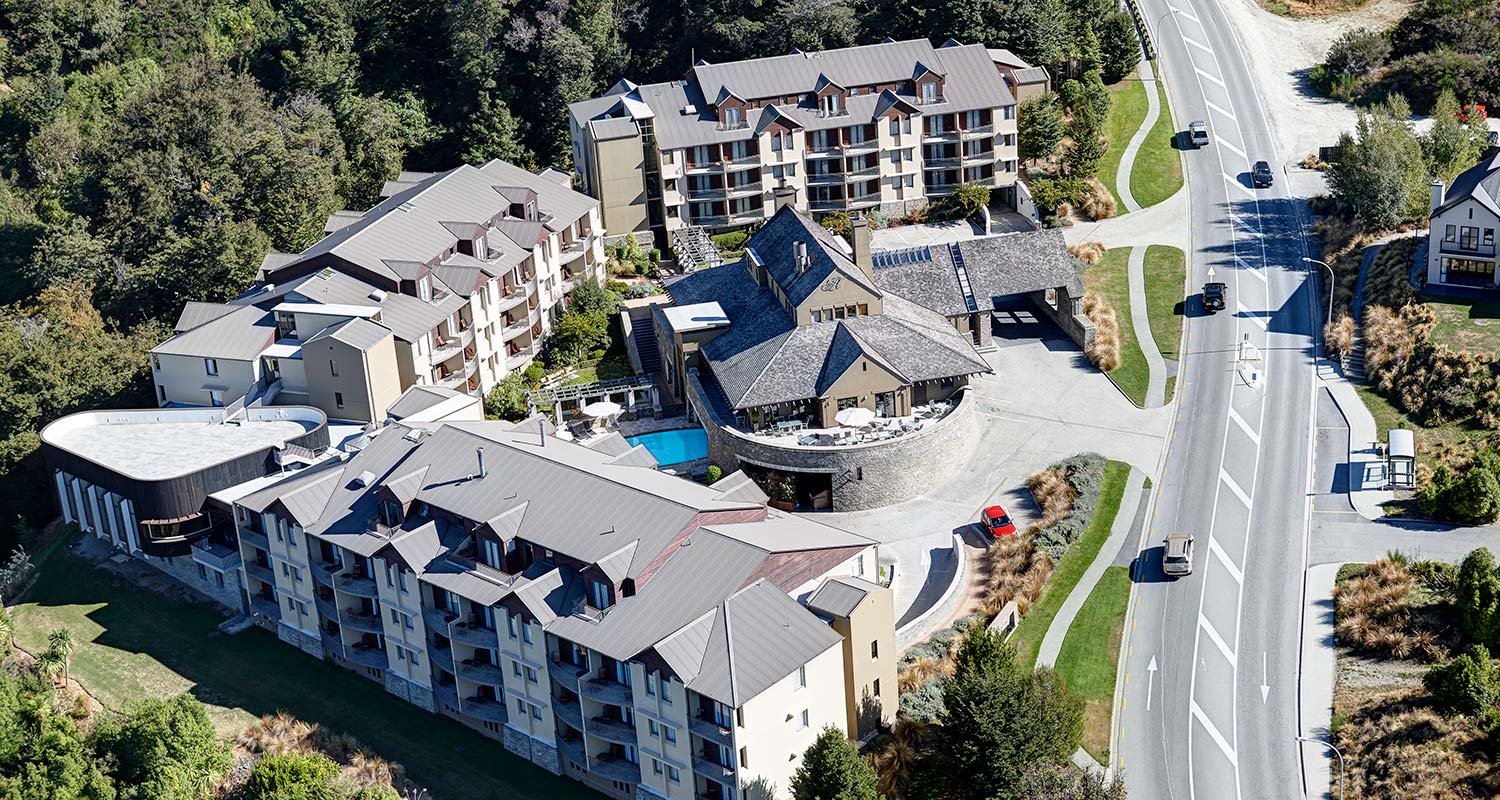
column 996, row 522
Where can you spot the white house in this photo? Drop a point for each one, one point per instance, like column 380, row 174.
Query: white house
column 1461, row 246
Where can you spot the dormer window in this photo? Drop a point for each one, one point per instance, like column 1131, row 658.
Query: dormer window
column 481, row 251
column 601, row 595
column 424, row 289
column 928, row 91
column 390, row 513
column 832, row 104
column 732, row 117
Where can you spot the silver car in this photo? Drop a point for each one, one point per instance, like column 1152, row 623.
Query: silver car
column 1177, row 556
column 1198, row 133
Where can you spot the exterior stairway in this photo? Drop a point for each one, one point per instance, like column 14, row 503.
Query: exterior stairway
column 1354, row 360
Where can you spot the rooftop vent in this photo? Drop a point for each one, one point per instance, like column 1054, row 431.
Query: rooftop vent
column 799, row 256
column 378, row 295
column 364, row 479
column 689, row 110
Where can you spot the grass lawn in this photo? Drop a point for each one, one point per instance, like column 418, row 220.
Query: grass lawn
column 1472, row 325
column 1087, row 668
column 1127, row 110
column 134, row 644
column 1033, row 627
column 1157, row 173
column 1166, row 271
column 1109, row 279
column 1430, row 441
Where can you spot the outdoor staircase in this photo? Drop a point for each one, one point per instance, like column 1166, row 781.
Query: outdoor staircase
column 643, row 337
column 1354, row 360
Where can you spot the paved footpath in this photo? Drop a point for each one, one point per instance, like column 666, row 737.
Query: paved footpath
column 1153, row 110
column 1119, row 532
column 1156, row 385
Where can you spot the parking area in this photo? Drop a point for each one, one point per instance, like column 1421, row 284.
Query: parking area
column 1043, row 403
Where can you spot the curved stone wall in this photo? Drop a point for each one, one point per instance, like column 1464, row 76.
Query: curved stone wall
column 864, row 475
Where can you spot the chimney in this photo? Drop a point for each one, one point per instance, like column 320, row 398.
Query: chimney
column 799, row 256
column 859, row 239
column 541, row 429
column 479, row 452
column 1437, row 195
column 783, row 197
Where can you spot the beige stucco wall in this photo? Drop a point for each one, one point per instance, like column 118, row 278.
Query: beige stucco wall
column 870, row 693
column 288, row 552
column 618, row 174
column 863, row 380
column 835, row 291
column 186, row 378
column 1467, row 213
column 407, row 607
column 534, row 654
column 770, row 744
column 671, row 716
column 369, row 381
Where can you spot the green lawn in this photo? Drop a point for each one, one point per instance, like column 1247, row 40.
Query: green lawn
column 1472, row 325
column 1166, row 272
column 1109, row 279
column 1087, row 668
column 1127, row 110
column 1033, row 627
column 1157, row 173
column 133, row 644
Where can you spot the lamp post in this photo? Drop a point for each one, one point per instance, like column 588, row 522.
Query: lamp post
column 1336, row 752
column 1329, row 318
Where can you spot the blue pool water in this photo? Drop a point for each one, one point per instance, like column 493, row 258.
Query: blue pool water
column 674, row 447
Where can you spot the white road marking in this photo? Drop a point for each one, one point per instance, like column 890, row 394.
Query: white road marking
column 1231, row 148
column 1214, row 637
column 1264, row 323
column 1181, row 13
column 1244, row 426
column 1265, row 679
column 1221, row 110
column 1234, row 572
column 1236, row 183
column 1150, row 679
column 1215, row 735
column 1212, row 78
column 1201, row 46
column 1234, row 487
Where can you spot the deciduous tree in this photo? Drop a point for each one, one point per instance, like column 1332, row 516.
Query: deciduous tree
column 832, row 769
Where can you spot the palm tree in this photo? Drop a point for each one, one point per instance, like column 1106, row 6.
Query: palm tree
column 60, row 641
column 50, row 662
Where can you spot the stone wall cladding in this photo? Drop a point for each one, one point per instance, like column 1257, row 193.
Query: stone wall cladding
column 288, row 634
column 545, row 756
column 516, row 742
column 903, row 207
column 185, row 570
column 864, row 476
column 311, row 644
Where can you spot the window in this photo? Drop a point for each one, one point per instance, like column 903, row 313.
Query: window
column 599, row 593
column 530, row 675
column 406, row 621
column 651, row 727
column 400, row 654
column 296, row 574
column 803, row 720
column 211, row 366
column 162, row 392
column 510, row 625
column 215, row 398
column 338, row 399
column 515, row 668
column 536, row 712
column 492, row 553
column 651, row 691
column 424, row 289
column 411, row 655
column 401, row 582
column 220, row 578
column 929, row 92
column 284, row 571
column 526, row 633
column 731, row 117
column 290, row 605
column 802, row 670
column 817, row 315
column 666, row 690
column 673, row 774
column 832, row 104
column 744, row 758
column 521, row 706
column 390, row 580
column 395, row 617
column 1489, row 237
column 333, row 368
column 656, row 766
column 876, row 690
column 669, row 733
column 1450, row 233
column 875, row 648
column 1009, row 112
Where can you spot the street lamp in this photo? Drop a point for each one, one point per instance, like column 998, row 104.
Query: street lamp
column 1335, row 750
column 1330, row 284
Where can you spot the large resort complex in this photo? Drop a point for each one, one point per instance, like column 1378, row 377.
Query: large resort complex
column 320, row 466
column 880, row 127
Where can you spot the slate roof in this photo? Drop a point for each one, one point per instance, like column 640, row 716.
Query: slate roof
column 1480, row 182
column 998, row 266
column 971, row 81
column 764, row 358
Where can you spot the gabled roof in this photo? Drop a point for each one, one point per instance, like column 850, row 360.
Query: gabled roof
column 357, row 332
column 773, row 245
column 760, row 636
column 838, row 597
column 997, row 266
column 195, row 313
column 1480, row 182
column 237, row 335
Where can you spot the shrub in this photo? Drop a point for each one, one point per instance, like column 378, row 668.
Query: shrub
column 1104, row 350
column 1468, row 684
column 1477, row 595
column 1338, row 336
column 837, row 222
column 731, row 242
column 1087, row 252
column 715, row 473
column 924, row 704
column 507, row 400
column 17, row 571
column 1351, row 58
column 966, row 201
column 292, row 777
column 1372, row 613
column 1098, row 203
column 1051, row 194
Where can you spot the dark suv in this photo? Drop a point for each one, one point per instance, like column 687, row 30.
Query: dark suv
column 1214, row 294
column 1260, row 175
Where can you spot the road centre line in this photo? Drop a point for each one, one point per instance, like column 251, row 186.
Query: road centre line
column 1244, row 426
column 1214, row 733
column 1216, row 549
column 1234, row 487
column 1214, row 637
column 1210, row 77
column 1220, row 109
column 1201, row 46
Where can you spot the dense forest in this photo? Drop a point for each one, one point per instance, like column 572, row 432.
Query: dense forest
column 152, row 151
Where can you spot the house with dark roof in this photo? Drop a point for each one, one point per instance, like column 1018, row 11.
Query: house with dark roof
column 885, row 127
column 636, row 631
column 451, row 281
column 1462, row 225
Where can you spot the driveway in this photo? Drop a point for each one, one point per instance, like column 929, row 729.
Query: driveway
column 1043, row 403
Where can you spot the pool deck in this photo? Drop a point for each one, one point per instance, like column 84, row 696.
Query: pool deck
column 641, row 427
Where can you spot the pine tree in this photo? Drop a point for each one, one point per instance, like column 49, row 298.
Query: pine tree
column 1120, row 49
column 1039, row 127
column 832, row 769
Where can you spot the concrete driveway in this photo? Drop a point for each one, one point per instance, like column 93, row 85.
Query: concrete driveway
column 1043, row 403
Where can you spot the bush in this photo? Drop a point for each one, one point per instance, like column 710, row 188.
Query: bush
column 1098, row 203
column 1068, row 493
column 1051, row 194
column 925, row 704
column 837, row 222
column 1345, row 71
column 715, row 473
column 507, row 400
column 1477, row 595
column 14, row 575
column 1468, row 684
column 1104, row 351
column 966, row 201
column 1087, row 252
column 292, row 777
column 731, row 242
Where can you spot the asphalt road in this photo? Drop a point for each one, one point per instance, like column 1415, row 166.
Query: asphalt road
column 1209, row 702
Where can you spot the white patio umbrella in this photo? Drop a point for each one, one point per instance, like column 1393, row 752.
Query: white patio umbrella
column 601, row 408
column 854, row 417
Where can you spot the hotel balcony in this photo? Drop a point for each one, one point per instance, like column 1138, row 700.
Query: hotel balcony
column 980, row 130
column 474, row 635
column 712, row 770
column 322, row 572
column 326, row 608
column 452, row 345
column 708, row 193
column 437, row 619
column 866, row 199
column 520, row 326
column 827, row 204
column 333, row 644
column 976, row 159
column 485, row 709
column 569, row 711
column 824, row 178
column 615, row 768
column 750, row 160
column 366, row 656
column 260, row 572
column 941, row 136
column 829, row 151
column 447, row 695
column 359, row 621
column 871, row 171
column 710, row 731
column 250, row 537
column 442, row 657
column 867, row 146
column 940, row 163
column 611, row 730
column 744, row 189
column 512, row 298
column 572, row 250
column 566, row 675
column 605, row 690
column 519, row 360
column 214, row 555
column 572, row 750
column 266, row 607
column 481, row 672
column 357, row 586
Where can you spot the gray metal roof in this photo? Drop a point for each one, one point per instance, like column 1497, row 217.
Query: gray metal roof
column 357, row 332
column 971, row 81
column 1480, row 182
column 410, row 318
column 839, row 596
column 998, row 266
column 760, row 637
column 408, row 226
column 240, row 335
column 418, row 399
column 195, row 313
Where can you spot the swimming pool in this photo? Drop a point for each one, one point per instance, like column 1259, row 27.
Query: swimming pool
column 676, row 446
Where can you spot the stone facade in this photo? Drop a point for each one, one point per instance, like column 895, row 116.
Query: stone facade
column 864, row 476
column 414, row 693
column 1068, row 315
column 185, row 570
column 545, row 756
column 903, row 207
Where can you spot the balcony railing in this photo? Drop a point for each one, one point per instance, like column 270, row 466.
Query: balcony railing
column 474, row 635
column 979, row 130
column 569, row 711
column 830, row 204
column 260, row 571
column 611, row 730
column 712, row 770
column 940, row 163
column 941, row 136
column 710, row 730
column 213, row 555
column 512, row 298
column 360, row 621
column 326, row 608
column 357, row 586
column 864, row 199
column 972, row 159
column 332, row 644
column 322, row 572
column 871, row 171
column 615, row 768
column 483, row 708
column 250, row 537
column 605, row 690
column 437, row 619
column 366, row 656
column 442, row 657
column 481, row 672
column 1461, row 248
column 740, row 190
column 824, row 178
column 265, row 607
